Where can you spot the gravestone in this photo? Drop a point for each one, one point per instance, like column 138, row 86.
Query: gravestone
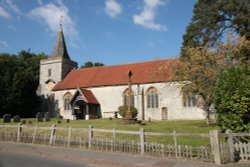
column 47, row 117
column 16, row 118
column 23, row 121
column 6, row 118
column 39, row 117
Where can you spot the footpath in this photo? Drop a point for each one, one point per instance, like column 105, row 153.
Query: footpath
column 103, row 159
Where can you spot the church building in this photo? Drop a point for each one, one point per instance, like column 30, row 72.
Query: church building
column 97, row 92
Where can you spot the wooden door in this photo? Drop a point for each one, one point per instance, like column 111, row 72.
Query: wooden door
column 164, row 112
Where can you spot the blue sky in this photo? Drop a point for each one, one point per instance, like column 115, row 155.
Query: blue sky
column 107, row 31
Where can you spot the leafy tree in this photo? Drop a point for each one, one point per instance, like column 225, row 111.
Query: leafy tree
column 87, row 65
column 233, row 99
column 212, row 19
column 98, row 64
column 8, row 67
column 90, row 64
column 204, row 66
column 19, row 77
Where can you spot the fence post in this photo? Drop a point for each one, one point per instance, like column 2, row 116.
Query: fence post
column 34, row 134
column 19, row 131
column 215, row 144
column 69, row 136
column 90, row 135
column 142, row 140
column 175, row 143
column 230, row 143
column 114, row 134
column 52, row 134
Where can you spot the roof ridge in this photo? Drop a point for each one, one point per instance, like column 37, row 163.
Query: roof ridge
column 143, row 72
column 115, row 65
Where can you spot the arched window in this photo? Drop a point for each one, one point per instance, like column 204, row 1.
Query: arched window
column 189, row 101
column 126, row 95
column 66, row 101
column 152, row 98
column 193, row 100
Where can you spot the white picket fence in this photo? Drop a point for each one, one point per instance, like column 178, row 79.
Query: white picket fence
column 243, row 149
column 90, row 138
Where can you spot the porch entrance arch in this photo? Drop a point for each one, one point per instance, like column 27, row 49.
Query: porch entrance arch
column 79, row 109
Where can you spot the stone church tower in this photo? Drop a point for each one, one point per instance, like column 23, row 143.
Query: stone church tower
column 53, row 70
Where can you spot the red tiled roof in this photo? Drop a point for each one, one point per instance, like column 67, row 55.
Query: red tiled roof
column 89, row 96
column 143, row 72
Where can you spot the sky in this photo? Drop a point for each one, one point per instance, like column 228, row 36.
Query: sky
column 106, row 31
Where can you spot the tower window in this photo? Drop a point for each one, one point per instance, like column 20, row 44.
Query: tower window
column 49, row 72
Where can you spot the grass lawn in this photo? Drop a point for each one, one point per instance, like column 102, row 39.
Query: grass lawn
column 153, row 126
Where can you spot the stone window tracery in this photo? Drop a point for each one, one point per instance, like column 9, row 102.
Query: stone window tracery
column 126, row 95
column 66, row 101
column 152, row 98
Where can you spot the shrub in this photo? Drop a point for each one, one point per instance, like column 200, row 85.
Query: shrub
column 232, row 99
column 123, row 110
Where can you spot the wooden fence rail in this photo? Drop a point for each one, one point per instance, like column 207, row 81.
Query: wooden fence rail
column 218, row 152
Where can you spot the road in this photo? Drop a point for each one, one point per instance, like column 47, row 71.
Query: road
column 12, row 159
column 29, row 155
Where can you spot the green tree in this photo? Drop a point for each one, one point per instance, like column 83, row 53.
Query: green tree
column 98, row 64
column 233, row 99
column 19, row 77
column 212, row 19
column 8, row 67
column 90, row 64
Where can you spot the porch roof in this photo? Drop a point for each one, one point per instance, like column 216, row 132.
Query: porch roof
column 89, row 96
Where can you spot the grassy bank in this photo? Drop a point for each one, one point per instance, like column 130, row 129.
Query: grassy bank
column 153, row 126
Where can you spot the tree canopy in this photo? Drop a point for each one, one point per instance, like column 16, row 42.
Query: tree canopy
column 90, row 64
column 19, row 78
column 212, row 19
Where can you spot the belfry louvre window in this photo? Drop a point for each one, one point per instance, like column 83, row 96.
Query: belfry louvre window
column 126, row 96
column 152, row 98
column 66, row 101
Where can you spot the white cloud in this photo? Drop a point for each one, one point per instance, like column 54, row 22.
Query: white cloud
column 147, row 17
column 13, row 7
column 4, row 13
column 4, row 44
column 40, row 2
column 112, row 8
column 50, row 14
column 11, row 27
